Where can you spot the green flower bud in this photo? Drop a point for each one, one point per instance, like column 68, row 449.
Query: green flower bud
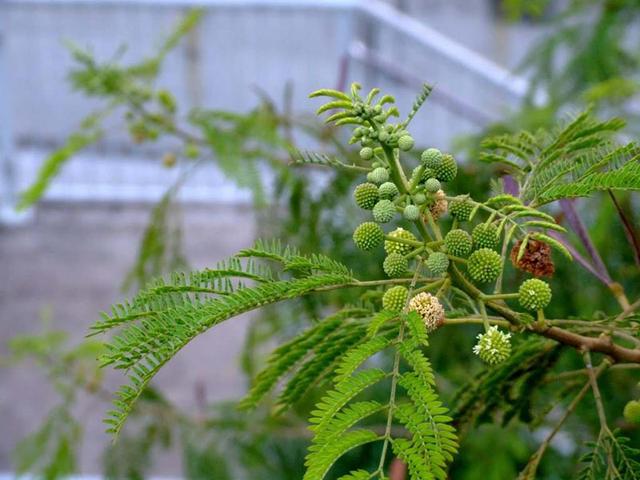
column 366, row 195
column 395, row 265
column 632, row 412
column 493, row 346
column 534, row 294
column 432, row 185
column 437, row 263
column 378, row 175
column 419, row 198
column 388, row 190
column 395, row 299
column 458, row 243
column 431, row 158
column 384, row 211
column 366, row 153
column 484, row 265
column 383, row 136
column 405, row 143
column 447, row 170
column 461, row 208
column 485, row 235
column 390, row 246
column 411, row 213
column 368, row 236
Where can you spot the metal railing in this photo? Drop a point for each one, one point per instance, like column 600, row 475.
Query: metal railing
column 239, row 44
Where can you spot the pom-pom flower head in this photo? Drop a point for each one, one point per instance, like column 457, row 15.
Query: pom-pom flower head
column 366, row 195
column 437, row 263
column 534, row 294
column 403, row 248
column 395, row 299
column 366, row 153
column 383, row 211
column 405, row 143
column 388, row 190
column 429, row 308
column 432, row 185
column 484, row 265
column 447, row 170
column 493, row 346
column 431, row 158
column 368, row 236
column 485, row 235
column 395, row 265
column 461, row 208
column 411, row 212
column 458, row 243
column 378, row 175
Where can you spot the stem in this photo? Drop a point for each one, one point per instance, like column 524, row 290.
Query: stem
column 596, row 390
column 500, row 296
column 394, row 376
column 475, row 320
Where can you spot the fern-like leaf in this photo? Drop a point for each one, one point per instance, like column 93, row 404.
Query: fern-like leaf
column 147, row 342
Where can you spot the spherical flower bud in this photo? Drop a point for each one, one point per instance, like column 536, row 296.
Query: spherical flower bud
column 632, row 412
column 484, row 265
column 437, row 263
column 388, row 190
column 405, row 143
column 400, row 233
column 378, row 175
column 395, row 299
column 366, row 195
column 411, row 213
column 534, row 294
column 366, row 153
column 395, row 265
column 461, row 208
column 429, row 308
column 493, row 346
column 419, row 198
column 431, row 158
column 368, row 236
column 485, row 235
column 447, row 170
column 458, row 243
column 384, row 211
column 432, row 185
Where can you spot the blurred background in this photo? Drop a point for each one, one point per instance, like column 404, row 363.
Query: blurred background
column 141, row 201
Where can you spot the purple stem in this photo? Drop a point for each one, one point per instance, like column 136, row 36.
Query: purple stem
column 510, row 185
column 629, row 231
column 578, row 227
column 579, row 258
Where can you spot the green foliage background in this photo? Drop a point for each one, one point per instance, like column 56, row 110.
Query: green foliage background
column 223, row 443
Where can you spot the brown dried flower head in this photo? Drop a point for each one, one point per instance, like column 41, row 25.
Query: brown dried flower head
column 535, row 260
column 439, row 205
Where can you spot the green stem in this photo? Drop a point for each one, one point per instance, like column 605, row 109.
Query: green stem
column 500, row 296
column 394, row 376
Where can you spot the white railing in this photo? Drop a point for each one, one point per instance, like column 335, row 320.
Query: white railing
column 239, row 45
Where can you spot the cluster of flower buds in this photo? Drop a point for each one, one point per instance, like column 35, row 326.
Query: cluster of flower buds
column 420, row 201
